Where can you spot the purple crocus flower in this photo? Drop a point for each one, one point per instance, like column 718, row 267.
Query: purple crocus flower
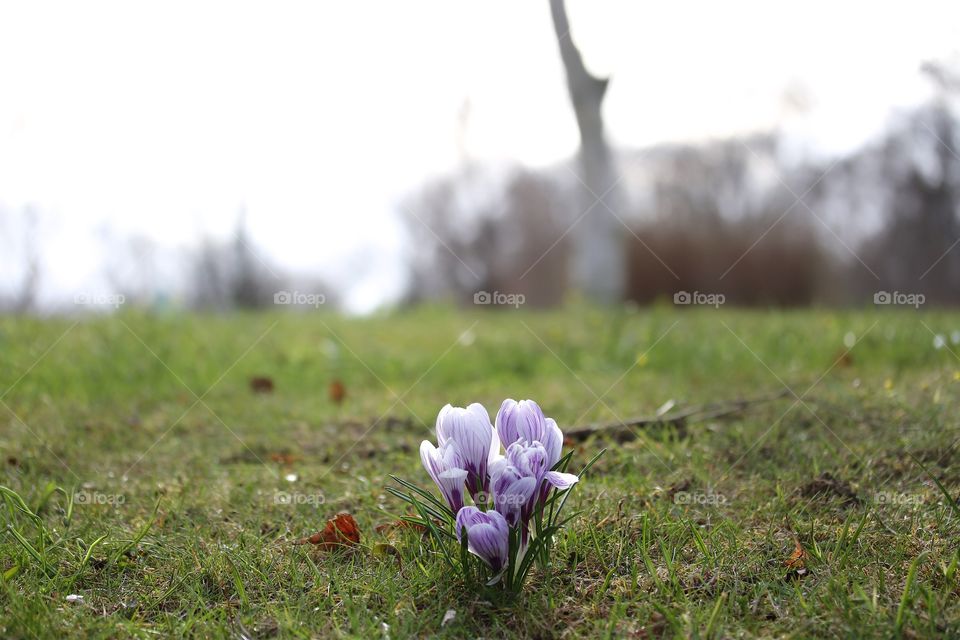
column 524, row 421
column 488, row 535
column 469, row 432
column 522, row 479
column 446, row 468
column 512, row 491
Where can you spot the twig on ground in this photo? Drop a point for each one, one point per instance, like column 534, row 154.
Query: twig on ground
column 624, row 430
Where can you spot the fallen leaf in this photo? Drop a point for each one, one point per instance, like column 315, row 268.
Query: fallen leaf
column 337, row 392
column 797, row 559
column 797, row 562
column 844, row 359
column 261, row 384
column 341, row 531
column 284, row 458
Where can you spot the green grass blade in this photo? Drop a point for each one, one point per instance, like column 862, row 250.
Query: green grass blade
column 905, row 598
column 140, row 535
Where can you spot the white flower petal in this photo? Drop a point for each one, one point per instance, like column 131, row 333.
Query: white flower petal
column 562, row 480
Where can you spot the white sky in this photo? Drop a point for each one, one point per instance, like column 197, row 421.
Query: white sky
column 163, row 119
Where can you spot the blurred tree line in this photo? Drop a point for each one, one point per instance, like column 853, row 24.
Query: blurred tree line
column 732, row 216
column 739, row 217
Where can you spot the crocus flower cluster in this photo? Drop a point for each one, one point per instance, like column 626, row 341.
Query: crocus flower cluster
column 507, row 487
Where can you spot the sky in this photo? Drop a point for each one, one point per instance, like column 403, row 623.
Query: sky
column 164, row 120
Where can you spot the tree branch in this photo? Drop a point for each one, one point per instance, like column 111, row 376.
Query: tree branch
column 581, row 83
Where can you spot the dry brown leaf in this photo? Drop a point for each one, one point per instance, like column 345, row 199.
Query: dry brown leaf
column 341, row 531
column 261, row 384
column 337, row 392
column 843, row 359
column 284, row 458
column 797, row 562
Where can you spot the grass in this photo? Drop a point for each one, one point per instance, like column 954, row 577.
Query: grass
column 143, row 474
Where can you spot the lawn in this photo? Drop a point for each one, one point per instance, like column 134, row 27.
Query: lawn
column 169, row 492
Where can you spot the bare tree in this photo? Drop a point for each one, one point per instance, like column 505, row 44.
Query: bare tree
column 711, row 223
column 599, row 256
column 916, row 249
column 230, row 275
column 475, row 231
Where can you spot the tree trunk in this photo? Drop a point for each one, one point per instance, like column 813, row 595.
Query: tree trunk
column 599, row 260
